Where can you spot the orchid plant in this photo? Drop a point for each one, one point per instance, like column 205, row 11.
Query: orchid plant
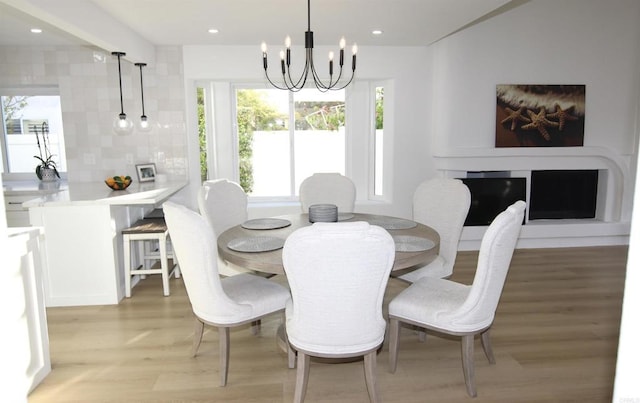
column 45, row 157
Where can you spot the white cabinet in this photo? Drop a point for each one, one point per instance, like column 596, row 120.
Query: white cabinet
column 26, row 320
column 17, row 216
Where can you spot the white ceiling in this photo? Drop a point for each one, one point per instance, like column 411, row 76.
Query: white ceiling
column 249, row 22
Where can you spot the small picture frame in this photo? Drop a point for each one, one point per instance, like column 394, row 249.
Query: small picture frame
column 146, row 172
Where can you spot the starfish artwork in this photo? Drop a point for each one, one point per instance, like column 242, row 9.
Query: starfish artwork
column 515, row 116
column 540, row 122
column 562, row 115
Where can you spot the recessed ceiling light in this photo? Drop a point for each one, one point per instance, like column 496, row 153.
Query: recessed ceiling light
column 36, row 30
column 213, row 31
column 376, row 32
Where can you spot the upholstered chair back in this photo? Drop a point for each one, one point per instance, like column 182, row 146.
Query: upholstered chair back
column 443, row 204
column 328, row 188
column 494, row 260
column 195, row 246
column 337, row 274
column 223, row 203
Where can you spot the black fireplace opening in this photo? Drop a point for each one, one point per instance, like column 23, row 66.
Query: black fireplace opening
column 492, row 195
column 563, row 194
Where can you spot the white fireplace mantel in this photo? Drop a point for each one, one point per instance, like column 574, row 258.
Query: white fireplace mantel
column 612, row 223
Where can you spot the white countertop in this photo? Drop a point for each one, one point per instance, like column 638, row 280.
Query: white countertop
column 98, row 193
column 32, row 187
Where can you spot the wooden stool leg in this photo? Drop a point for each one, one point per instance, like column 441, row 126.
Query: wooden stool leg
column 164, row 264
column 127, row 266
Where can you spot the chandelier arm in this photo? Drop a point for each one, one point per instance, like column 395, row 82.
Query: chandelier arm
column 302, row 79
column 266, row 74
column 346, row 84
column 316, row 80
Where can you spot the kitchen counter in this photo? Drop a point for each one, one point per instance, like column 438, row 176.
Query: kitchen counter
column 83, row 225
column 98, row 193
column 32, row 187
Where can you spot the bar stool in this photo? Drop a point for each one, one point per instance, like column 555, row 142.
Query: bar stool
column 154, row 245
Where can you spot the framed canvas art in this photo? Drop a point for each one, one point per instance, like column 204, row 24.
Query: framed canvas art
column 540, row 115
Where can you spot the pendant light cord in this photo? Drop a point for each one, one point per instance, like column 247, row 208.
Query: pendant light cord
column 118, row 54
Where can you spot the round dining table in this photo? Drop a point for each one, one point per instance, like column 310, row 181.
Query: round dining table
column 280, row 227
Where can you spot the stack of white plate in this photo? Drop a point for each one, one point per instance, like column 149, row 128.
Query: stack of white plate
column 323, row 213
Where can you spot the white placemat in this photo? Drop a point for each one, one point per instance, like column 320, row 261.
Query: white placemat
column 345, row 216
column 408, row 243
column 255, row 244
column 266, row 223
column 392, row 223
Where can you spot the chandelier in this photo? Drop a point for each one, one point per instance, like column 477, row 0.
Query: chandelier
column 289, row 83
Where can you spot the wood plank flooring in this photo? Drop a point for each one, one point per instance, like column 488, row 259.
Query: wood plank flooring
column 555, row 339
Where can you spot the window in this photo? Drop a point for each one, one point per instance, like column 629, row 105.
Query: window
column 284, row 137
column 24, row 112
column 270, row 140
column 378, row 142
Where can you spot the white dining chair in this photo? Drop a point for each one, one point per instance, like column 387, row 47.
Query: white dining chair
column 215, row 301
column 456, row 309
column 328, row 188
column 337, row 274
column 442, row 204
column 224, row 204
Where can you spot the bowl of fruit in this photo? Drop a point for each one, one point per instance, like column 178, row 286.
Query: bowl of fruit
column 118, row 182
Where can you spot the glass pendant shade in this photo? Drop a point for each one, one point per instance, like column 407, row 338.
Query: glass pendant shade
column 122, row 125
column 144, row 125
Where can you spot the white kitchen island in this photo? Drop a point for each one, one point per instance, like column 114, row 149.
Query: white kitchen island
column 83, row 242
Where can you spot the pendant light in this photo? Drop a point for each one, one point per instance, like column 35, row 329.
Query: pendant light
column 143, row 125
column 121, row 124
column 309, row 71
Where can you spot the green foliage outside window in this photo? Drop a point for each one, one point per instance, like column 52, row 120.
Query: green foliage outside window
column 319, row 115
column 379, row 107
column 202, row 136
column 253, row 113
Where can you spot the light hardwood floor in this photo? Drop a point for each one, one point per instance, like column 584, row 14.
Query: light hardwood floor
column 555, row 339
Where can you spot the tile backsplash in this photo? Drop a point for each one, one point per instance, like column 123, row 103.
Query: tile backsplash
column 87, row 79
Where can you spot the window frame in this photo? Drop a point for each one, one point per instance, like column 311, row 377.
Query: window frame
column 40, row 90
column 222, row 136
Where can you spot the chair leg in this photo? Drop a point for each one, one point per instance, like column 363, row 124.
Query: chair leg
column 255, row 327
column 467, row 364
column 485, row 338
column 422, row 336
column 302, row 377
column 224, row 354
column 291, row 356
column 394, row 344
column 198, row 329
column 370, row 376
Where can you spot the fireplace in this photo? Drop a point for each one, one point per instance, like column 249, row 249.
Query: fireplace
column 553, row 194
column 491, row 193
column 563, row 194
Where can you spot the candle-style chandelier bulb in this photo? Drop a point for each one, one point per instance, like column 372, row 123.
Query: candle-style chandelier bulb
column 122, row 125
column 144, row 124
column 289, row 83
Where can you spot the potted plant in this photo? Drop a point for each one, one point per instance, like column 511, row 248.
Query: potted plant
column 46, row 170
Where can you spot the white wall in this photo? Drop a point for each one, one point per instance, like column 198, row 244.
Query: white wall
column 545, row 42
column 87, row 80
